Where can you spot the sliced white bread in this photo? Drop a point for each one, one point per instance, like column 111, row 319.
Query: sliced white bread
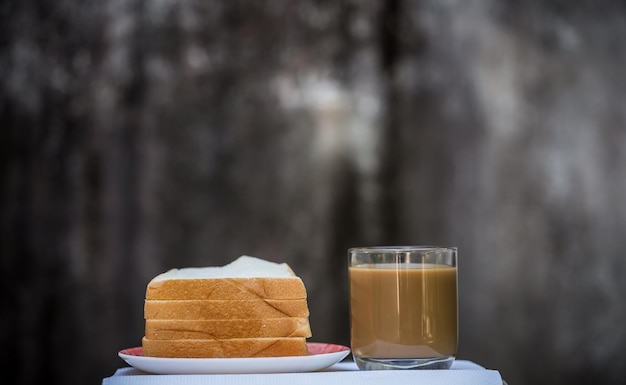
column 249, row 308
column 225, row 309
column 227, row 348
column 224, row 329
column 245, row 278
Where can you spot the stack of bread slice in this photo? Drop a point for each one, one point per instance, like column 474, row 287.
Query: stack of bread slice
column 248, row 308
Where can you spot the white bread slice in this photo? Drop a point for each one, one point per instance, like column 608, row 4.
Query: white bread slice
column 245, row 278
column 225, row 309
column 228, row 348
column 223, row 329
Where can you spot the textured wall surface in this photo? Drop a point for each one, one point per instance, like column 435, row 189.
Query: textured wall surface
column 136, row 136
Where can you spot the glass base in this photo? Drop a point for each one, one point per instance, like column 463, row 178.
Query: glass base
column 403, row 363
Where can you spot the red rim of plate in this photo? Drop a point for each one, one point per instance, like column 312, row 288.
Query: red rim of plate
column 314, row 349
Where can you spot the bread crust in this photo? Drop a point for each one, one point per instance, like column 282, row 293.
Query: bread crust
column 224, row 329
column 227, row 288
column 225, row 309
column 229, row 348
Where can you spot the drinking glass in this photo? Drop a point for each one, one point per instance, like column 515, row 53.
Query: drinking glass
column 403, row 307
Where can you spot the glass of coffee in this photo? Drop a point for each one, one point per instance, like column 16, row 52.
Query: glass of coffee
column 403, row 307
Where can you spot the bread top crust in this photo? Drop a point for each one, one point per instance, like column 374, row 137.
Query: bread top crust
column 243, row 267
column 245, row 278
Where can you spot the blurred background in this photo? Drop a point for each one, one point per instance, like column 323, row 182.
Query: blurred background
column 141, row 135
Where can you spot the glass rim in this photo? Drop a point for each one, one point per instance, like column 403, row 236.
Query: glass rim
column 399, row 249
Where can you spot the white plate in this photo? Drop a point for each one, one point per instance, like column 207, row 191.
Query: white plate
column 320, row 356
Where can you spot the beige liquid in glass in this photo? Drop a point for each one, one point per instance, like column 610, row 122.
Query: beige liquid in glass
column 403, row 311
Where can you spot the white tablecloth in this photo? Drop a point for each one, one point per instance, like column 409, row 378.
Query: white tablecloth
column 344, row 373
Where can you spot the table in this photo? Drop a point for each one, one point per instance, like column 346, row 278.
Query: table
column 344, row 373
